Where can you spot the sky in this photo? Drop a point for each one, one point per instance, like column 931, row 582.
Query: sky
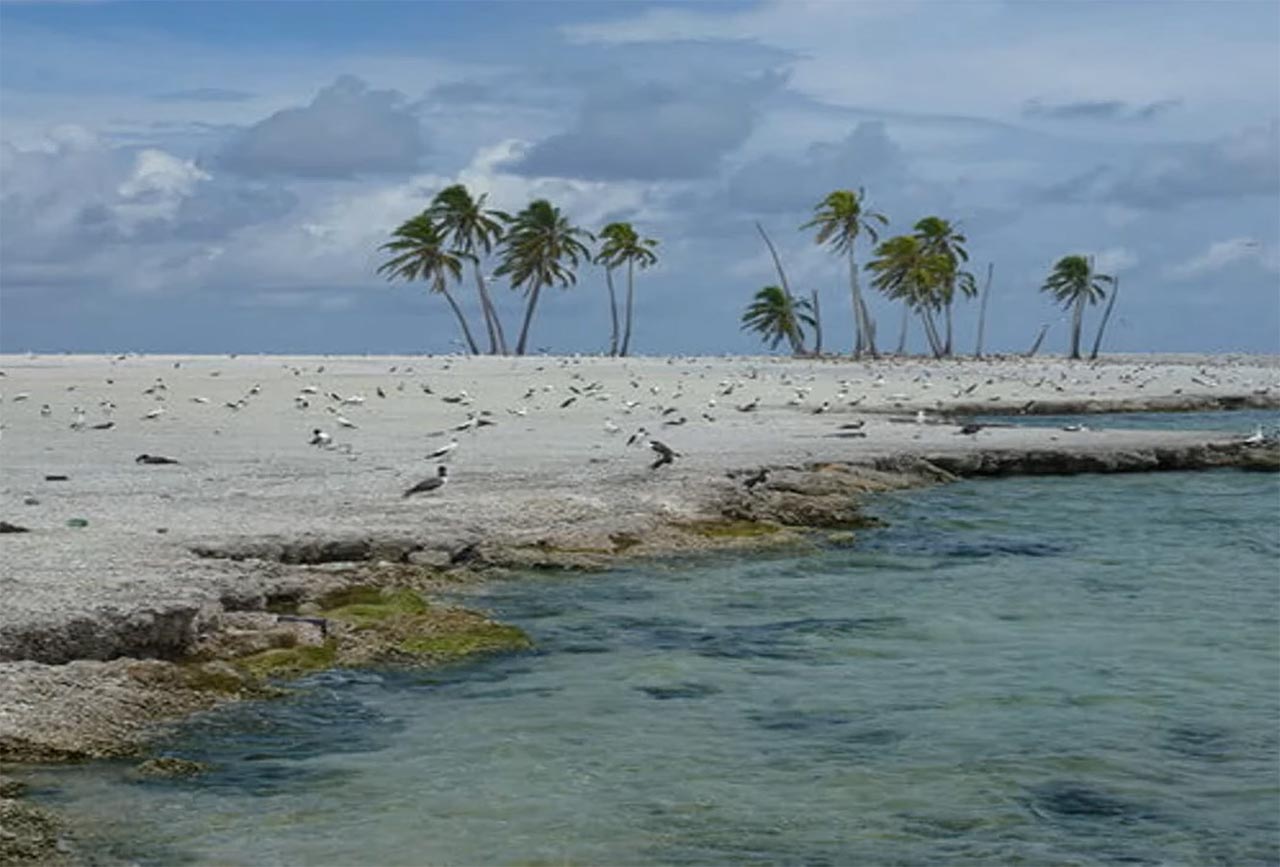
column 192, row 177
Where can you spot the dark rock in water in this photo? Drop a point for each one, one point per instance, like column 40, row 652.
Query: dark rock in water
column 170, row 766
column 679, row 690
column 6, row 527
column 1076, row 800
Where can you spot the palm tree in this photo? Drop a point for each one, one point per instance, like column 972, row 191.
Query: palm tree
column 1074, row 283
column 472, row 230
column 940, row 237
column 421, row 255
column 541, row 248
column 839, row 219
column 623, row 246
column 906, row 271
column 777, row 316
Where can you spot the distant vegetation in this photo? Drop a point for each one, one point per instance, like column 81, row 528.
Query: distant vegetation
column 538, row 248
column 535, row 249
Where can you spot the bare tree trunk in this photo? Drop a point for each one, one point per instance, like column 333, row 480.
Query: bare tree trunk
column 497, row 340
column 982, row 312
column 1035, row 347
column 1106, row 315
column 946, row 347
column 613, row 312
column 462, row 320
column 902, row 332
column 859, row 311
column 797, row 348
column 631, row 294
column 817, row 323
column 1077, row 320
column 528, row 318
column 868, row 325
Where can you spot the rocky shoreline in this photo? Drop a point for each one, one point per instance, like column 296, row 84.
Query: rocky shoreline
column 181, row 621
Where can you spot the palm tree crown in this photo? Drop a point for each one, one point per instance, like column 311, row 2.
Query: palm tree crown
column 421, row 254
column 776, row 316
column 541, row 248
column 622, row 245
column 1073, row 280
column 839, row 219
column 465, row 221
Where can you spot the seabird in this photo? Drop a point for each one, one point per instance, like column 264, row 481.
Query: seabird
column 345, row 422
column 319, row 438
column 749, row 406
column 675, row 422
column 106, row 425
column 854, row 425
column 153, row 459
column 443, row 451
column 155, row 413
column 970, row 428
column 666, row 454
column 757, row 478
column 640, row 434
column 1256, row 438
column 826, row 405
column 431, row 483
column 564, row 404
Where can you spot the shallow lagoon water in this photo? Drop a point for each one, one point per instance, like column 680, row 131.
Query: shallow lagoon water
column 1038, row 671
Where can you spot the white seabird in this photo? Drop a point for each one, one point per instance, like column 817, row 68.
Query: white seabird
column 444, row 450
column 320, row 438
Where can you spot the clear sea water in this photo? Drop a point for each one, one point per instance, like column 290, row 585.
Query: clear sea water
column 1043, row 671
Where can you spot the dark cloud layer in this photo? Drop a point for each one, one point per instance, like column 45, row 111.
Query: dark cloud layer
column 652, row 131
column 866, row 156
column 1098, row 110
column 347, row 130
column 1244, row 164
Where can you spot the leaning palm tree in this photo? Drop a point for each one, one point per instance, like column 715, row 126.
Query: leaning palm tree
column 421, row 254
column 541, row 249
column 839, row 219
column 904, row 270
column 623, row 246
column 1074, row 283
column 473, row 230
column 941, row 237
column 777, row 316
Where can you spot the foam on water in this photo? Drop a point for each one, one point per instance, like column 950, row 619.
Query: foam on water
column 1040, row 671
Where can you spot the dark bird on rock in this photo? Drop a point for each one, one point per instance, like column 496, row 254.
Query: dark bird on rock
column 666, row 454
column 433, row 483
column 153, row 459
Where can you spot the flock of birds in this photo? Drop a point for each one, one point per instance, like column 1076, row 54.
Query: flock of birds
column 693, row 396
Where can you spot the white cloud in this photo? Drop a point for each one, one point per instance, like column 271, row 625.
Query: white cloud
column 1113, row 260
column 1221, row 254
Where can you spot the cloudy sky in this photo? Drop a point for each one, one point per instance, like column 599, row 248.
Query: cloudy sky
column 216, row 177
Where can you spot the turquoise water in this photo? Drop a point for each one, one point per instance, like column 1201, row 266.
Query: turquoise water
column 1078, row 670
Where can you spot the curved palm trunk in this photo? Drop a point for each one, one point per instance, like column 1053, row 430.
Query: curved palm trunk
column 528, row 318
column 613, row 312
column 1035, row 347
column 1106, row 315
column 902, row 331
column 931, row 332
column 631, row 294
column 497, row 340
column 462, row 320
column 797, row 347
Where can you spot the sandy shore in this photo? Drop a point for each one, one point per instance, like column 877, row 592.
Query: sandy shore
column 552, row 470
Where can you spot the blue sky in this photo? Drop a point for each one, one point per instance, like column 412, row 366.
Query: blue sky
column 216, row 177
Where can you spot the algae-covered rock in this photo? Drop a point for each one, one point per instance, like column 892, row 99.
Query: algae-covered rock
column 170, row 766
column 29, row 835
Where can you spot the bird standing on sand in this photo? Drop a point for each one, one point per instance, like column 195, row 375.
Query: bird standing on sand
column 432, row 483
column 153, row 459
column 666, row 454
column 320, row 438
